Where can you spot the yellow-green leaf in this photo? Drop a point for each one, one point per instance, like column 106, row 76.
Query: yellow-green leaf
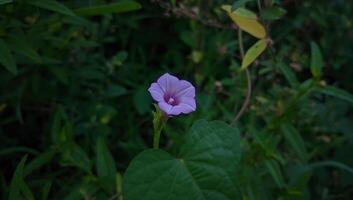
column 243, row 12
column 254, row 52
column 246, row 23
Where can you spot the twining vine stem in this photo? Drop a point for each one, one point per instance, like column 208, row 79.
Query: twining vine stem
column 249, row 90
column 248, row 77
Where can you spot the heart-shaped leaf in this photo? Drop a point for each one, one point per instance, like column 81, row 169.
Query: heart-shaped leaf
column 202, row 171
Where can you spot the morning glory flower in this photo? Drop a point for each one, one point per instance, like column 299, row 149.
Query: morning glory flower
column 174, row 96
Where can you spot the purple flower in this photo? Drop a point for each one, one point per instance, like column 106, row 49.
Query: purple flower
column 174, row 96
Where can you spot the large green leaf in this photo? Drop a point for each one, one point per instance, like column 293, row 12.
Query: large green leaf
column 105, row 165
column 52, row 5
column 316, row 60
column 202, row 170
column 117, row 7
column 6, row 58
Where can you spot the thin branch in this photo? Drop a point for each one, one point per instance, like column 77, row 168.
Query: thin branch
column 259, row 5
column 182, row 11
column 241, row 45
column 115, row 196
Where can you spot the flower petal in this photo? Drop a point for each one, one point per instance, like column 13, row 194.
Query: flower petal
column 165, row 107
column 186, row 105
column 176, row 110
column 185, row 89
column 168, row 83
column 156, row 92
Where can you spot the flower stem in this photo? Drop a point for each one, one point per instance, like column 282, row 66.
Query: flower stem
column 159, row 121
column 157, row 136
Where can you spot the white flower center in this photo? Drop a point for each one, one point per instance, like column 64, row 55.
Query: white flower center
column 171, row 100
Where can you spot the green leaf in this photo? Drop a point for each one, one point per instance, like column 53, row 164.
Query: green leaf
column 330, row 163
column 316, row 60
column 52, row 6
column 336, row 92
column 115, row 91
column 275, row 172
column 19, row 44
column 46, row 189
column 105, row 165
column 74, row 155
column 17, row 181
column 289, row 74
column 26, row 191
column 254, row 52
column 6, row 58
column 62, row 74
column 18, row 149
column 118, row 7
column 273, row 13
column 295, row 140
column 61, row 129
column 38, row 162
column 2, row 2
column 203, row 169
column 119, row 58
column 142, row 101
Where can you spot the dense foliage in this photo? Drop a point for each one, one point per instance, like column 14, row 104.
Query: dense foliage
column 75, row 110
